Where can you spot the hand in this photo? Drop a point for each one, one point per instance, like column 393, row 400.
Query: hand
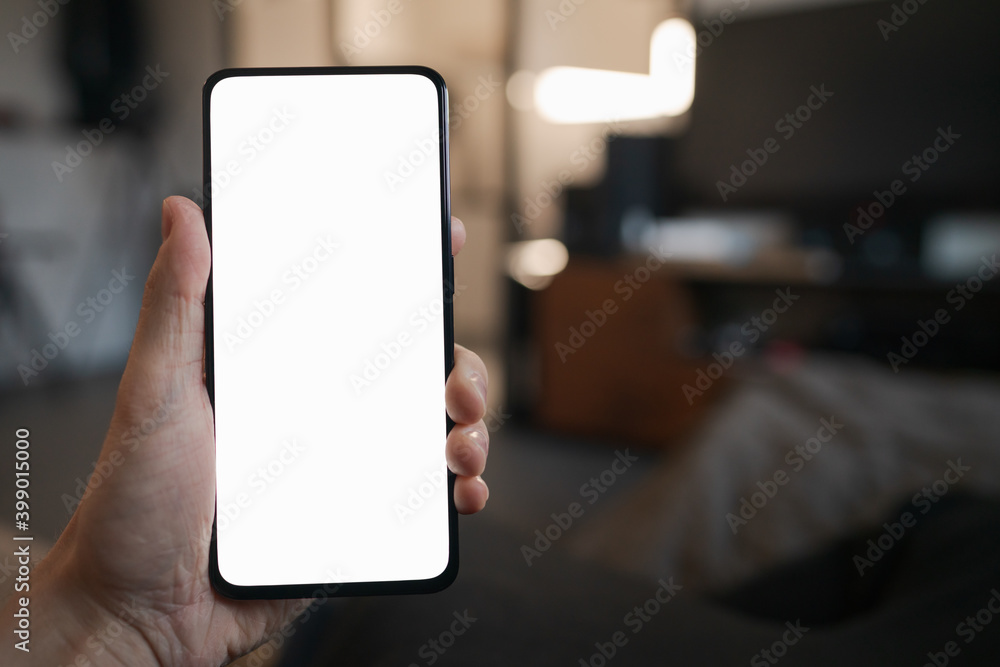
column 127, row 582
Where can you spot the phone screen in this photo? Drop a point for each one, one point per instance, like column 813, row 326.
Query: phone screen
column 330, row 330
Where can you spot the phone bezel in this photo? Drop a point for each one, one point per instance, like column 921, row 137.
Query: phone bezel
column 336, row 589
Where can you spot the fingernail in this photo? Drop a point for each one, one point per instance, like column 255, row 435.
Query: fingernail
column 481, row 439
column 167, row 214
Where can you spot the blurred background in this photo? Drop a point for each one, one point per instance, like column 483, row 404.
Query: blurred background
column 745, row 246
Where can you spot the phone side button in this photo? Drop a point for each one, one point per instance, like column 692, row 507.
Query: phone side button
column 450, row 286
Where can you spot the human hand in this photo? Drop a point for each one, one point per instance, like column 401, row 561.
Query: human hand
column 134, row 557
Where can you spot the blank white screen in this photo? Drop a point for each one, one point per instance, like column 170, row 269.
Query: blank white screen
column 329, row 331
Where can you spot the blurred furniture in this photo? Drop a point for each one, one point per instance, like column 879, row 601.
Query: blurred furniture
column 625, row 379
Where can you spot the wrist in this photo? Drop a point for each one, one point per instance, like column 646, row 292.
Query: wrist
column 69, row 626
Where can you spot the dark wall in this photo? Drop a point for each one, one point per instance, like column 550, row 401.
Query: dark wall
column 892, row 90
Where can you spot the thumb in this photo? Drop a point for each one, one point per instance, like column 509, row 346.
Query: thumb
column 168, row 348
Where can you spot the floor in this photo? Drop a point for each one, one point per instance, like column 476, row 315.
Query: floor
column 531, row 474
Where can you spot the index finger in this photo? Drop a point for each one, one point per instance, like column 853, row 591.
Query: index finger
column 457, row 235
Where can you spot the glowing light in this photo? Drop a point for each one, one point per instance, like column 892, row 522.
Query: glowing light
column 581, row 95
column 533, row 263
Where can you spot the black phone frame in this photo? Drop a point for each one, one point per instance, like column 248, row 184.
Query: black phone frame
column 340, row 589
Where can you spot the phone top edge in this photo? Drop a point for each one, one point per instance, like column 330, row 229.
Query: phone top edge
column 230, row 72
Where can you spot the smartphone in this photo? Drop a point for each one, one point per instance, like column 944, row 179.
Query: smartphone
column 329, row 331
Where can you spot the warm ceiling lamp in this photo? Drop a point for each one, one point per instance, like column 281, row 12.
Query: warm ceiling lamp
column 580, row 95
